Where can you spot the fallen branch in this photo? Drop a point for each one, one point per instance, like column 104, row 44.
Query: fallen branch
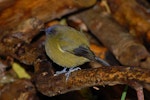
column 54, row 85
column 127, row 49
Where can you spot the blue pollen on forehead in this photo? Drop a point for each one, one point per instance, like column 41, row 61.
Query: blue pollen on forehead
column 50, row 30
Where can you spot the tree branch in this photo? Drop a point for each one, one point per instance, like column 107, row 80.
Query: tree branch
column 54, row 85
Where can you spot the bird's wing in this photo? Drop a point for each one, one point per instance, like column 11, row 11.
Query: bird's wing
column 77, row 46
column 84, row 51
column 87, row 53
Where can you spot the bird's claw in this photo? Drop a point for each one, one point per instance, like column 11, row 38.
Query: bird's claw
column 70, row 71
column 67, row 73
column 60, row 72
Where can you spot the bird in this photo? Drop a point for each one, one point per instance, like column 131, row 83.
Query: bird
column 68, row 48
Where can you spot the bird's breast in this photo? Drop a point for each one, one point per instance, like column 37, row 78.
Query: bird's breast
column 62, row 57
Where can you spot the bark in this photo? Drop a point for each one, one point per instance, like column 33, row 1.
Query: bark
column 54, row 85
column 132, row 15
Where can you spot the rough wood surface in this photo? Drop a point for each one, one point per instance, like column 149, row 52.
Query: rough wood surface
column 54, row 85
column 132, row 15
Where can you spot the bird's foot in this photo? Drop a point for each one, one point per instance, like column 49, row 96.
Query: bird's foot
column 60, row 72
column 72, row 69
column 67, row 73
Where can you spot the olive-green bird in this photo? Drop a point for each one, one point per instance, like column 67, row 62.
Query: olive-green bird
column 68, row 48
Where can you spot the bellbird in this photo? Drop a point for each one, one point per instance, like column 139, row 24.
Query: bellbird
column 68, row 48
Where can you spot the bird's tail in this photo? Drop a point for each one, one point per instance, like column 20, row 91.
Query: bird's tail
column 101, row 61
